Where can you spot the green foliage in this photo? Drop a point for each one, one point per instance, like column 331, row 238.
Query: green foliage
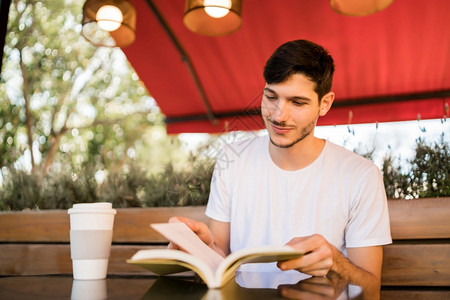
column 124, row 189
column 82, row 112
column 9, row 124
column 57, row 190
column 61, row 189
column 180, row 188
column 129, row 187
column 395, row 182
column 134, row 186
column 61, row 93
column 75, row 110
column 428, row 175
column 20, row 191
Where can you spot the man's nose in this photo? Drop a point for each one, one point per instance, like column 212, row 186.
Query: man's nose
column 280, row 113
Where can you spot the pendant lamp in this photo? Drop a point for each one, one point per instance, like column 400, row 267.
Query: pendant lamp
column 359, row 7
column 213, row 17
column 109, row 23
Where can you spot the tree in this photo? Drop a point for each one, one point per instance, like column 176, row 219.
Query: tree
column 63, row 96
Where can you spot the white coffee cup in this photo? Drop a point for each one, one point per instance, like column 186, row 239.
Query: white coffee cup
column 91, row 228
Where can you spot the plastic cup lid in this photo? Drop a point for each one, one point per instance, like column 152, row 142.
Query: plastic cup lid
column 97, row 207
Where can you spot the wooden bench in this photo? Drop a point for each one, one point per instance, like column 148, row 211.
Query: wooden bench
column 37, row 242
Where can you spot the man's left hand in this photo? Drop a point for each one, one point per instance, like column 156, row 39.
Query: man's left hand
column 319, row 257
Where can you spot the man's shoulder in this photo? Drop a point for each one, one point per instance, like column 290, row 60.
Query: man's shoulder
column 248, row 145
column 235, row 154
column 342, row 155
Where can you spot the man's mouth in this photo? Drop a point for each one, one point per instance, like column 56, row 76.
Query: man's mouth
column 280, row 129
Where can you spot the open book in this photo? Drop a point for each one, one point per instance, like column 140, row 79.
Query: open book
column 215, row 270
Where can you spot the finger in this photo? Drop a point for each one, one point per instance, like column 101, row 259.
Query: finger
column 193, row 225
column 172, row 246
column 316, row 272
column 199, row 228
column 174, row 220
column 322, row 254
column 321, row 264
column 320, row 268
column 204, row 233
column 308, row 243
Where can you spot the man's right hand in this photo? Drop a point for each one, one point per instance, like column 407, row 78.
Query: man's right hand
column 199, row 228
column 217, row 238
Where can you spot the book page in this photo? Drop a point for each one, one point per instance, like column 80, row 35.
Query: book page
column 262, row 254
column 180, row 234
column 170, row 261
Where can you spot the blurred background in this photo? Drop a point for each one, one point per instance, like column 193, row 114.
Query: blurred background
column 78, row 124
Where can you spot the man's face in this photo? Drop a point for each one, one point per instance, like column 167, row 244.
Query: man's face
column 290, row 110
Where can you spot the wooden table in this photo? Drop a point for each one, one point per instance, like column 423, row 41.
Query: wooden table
column 151, row 287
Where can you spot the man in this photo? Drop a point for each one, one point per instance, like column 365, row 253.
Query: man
column 292, row 188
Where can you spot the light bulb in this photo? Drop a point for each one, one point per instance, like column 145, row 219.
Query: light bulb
column 109, row 17
column 217, row 8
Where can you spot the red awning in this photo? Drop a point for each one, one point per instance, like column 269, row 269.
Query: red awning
column 390, row 66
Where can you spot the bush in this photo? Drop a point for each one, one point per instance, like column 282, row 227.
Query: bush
column 427, row 176
column 131, row 187
column 395, row 182
column 123, row 189
column 57, row 190
column 186, row 187
column 21, row 190
column 430, row 174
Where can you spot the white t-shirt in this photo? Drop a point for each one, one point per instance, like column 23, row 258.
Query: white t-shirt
column 340, row 196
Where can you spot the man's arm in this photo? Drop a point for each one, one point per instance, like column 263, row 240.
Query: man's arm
column 363, row 266
column 368, row 261
column 221, row 233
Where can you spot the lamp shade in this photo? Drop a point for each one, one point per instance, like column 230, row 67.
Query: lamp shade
column 359, row 7
column 109, row 23
column 213, row 17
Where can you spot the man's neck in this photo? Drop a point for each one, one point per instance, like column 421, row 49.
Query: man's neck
column 299, row 155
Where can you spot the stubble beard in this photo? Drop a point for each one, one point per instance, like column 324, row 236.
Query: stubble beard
column 305, row 132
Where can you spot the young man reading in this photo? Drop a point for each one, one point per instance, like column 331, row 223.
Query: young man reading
column 292, row 188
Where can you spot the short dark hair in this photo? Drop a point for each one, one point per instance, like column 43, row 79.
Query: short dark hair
column 304, row 57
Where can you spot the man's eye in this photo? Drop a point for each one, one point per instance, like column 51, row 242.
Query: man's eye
column 296, row 103
column 270, row 97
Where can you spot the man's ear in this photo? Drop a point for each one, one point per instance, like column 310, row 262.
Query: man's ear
column 326, row 103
